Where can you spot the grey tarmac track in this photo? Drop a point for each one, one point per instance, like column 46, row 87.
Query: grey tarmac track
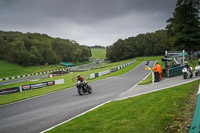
column 40, row 113
column 23, row 79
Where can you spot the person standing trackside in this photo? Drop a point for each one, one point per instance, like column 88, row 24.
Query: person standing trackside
column 158, row 69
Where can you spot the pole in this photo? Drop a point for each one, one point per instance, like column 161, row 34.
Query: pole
column 183, row 57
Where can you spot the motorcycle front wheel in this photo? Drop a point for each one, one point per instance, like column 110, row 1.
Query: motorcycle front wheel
column 89, row 89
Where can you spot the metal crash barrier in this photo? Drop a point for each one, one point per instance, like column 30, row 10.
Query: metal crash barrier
column 176, row 71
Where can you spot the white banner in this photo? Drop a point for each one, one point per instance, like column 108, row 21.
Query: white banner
column 60, row 81
column 100, row 73
column 92, row 75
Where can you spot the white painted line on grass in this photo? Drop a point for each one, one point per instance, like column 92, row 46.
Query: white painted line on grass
column 76, row 116
column 199, row 89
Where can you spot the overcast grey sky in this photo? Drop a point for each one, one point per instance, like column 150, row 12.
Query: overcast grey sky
column 89, row 22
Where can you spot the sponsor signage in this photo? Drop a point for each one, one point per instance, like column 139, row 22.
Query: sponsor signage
column 37, row 85
column 60, row 81
column 9, row 90
column 50, row 83
column 26, row 87
column 113, row 70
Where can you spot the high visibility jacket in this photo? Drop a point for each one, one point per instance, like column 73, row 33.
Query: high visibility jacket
column 158, row 68
column 81, row 78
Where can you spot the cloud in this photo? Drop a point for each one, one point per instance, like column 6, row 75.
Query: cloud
column 89, row 22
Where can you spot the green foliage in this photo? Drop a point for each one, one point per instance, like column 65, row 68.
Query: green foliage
column 183, row 29
column 98, row 53
column 142, row 45
column 97, row 47
column 37, row 49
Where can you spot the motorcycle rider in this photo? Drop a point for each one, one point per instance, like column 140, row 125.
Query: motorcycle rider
column 82, row 79
column 188, row 66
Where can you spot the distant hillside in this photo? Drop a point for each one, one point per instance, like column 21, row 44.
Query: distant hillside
column 32, row 49
column 98, row 53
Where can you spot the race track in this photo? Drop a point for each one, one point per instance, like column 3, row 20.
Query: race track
column 40, row 113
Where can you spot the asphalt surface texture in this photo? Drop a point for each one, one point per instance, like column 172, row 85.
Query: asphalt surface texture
column 40, row 113
column 163, row 84
column 23, row 79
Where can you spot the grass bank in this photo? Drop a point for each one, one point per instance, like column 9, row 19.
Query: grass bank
column 155, row 112
column 98, row 53
column 12, row 70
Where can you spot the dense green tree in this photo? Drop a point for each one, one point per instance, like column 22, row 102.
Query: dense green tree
column 183, row 29
column 38, row 49
column 141, row 45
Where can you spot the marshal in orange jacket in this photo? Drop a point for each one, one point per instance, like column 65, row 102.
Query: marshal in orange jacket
column 158, row 69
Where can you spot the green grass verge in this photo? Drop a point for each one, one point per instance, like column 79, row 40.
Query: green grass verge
column 11, row 70
column 149, row 113
column 98, row 53
column 70, row 81
column 148, row 80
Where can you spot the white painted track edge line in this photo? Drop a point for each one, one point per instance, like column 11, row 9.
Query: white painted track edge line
column 157, row 90
column 77, row 116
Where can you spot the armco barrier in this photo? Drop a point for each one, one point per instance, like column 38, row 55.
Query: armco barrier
column 196, row 117
column 95, row 75
column 28, row 75
column 92, row 76
column 175, row 71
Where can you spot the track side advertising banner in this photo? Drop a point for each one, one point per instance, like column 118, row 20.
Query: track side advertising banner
column 36, row 86
column 9, row 90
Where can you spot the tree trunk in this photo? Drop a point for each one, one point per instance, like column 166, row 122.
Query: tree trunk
column 192, row 56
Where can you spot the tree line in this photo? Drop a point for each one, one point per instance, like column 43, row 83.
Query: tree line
column 182, row 33
column 142, row 45
column 183, row 28
column 30, row 49
column 97, row 47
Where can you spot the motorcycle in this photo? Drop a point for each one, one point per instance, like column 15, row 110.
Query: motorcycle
column 83, row 88
column 197, row 70
column 187, row 73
